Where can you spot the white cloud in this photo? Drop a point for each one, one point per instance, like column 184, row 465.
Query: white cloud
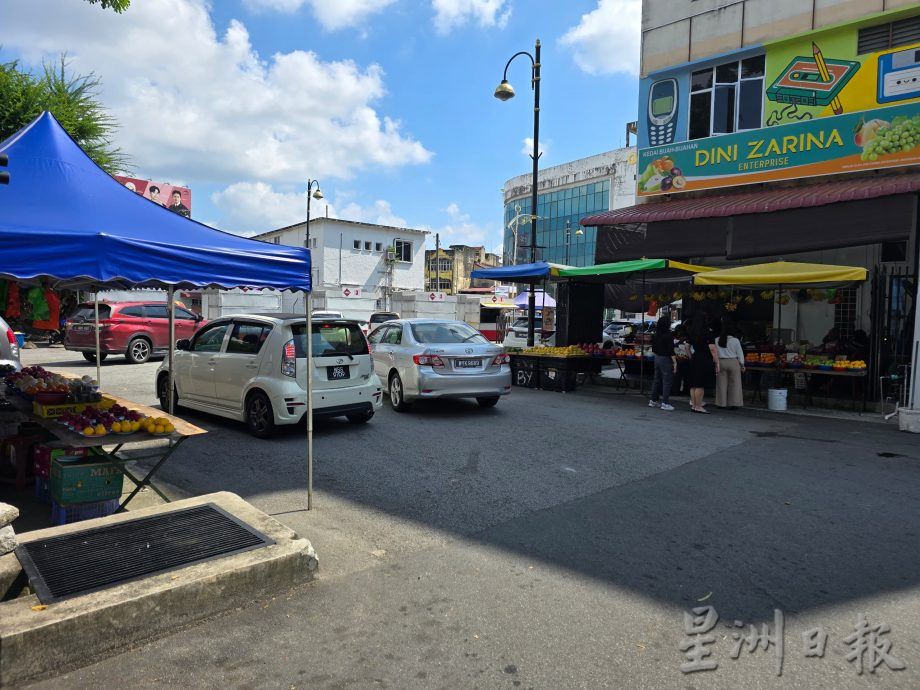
column 338, row 14
column 450, row 14
column 209, row 109
column 527, row 148
column 459, row 229
column 381, row 213
column 606, row 41
column 256, row 207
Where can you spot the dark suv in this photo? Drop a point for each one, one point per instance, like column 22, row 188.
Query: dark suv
column 136, row 330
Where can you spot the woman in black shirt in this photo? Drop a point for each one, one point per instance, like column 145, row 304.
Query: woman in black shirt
column 665, row 364
column 704, row 362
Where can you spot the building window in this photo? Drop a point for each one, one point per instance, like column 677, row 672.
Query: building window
column 367, row 246
column 726, row 98
column 378, row 247
column 312, row 244
column 276, row 240
column 443, row 285
column 444, row 265
column 873, row 39
column 357, row 244
column 403, row 250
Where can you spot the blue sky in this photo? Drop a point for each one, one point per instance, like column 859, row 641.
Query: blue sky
column 388, row 103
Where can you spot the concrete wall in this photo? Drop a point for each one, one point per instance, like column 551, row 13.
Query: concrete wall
column 677, row 31
column 412, row 305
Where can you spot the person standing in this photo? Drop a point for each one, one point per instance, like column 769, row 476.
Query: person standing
column 731, row 367
column 665, row 364
column 704, row 362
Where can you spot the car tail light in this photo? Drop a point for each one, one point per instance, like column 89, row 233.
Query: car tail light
column 428, row 360
column 12, row 338
column 289, row 360
column 503, row 358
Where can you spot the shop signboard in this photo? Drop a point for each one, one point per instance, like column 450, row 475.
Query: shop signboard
column 176, row 199
column 832, row 102
column 881, row 138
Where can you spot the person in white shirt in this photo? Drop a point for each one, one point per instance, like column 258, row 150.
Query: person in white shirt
column 731, row 367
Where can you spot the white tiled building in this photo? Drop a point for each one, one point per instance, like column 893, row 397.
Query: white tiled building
column 356, row 266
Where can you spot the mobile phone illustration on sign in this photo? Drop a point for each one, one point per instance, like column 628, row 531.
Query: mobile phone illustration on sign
column 662, row 112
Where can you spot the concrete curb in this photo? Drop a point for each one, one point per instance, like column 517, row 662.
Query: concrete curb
column 75, row 632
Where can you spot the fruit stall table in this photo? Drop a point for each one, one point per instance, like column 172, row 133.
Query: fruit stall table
column 857, row 376
column 551, row 371
column 111, row 449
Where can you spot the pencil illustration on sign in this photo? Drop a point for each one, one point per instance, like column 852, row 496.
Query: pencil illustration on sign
column 813, row 81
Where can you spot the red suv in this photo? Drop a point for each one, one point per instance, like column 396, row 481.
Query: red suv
column 136, row 330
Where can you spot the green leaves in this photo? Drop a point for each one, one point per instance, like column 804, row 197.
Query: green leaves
column 117, row 5
column 72, row 100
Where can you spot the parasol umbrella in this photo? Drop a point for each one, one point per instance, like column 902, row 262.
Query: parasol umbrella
column 543, row 301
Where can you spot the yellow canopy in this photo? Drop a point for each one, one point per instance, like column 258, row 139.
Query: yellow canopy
column 782, row 273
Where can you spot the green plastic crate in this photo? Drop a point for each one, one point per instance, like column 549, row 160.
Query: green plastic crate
column 85, row 482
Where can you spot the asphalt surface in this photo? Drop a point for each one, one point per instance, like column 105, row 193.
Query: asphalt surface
column 554, row 541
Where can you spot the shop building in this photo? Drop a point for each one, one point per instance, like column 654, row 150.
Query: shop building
column 773, row 129
column 357, row 267
column 448, row 270
column 566, row 193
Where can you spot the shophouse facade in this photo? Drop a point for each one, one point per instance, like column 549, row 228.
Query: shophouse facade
column 773, row 129
column 448, row 269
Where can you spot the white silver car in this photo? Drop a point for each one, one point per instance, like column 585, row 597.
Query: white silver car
column 253, row 368
column 428, row 358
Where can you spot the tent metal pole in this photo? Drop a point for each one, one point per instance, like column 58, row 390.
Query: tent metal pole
column 170, row 297
column 308, row 301
column 98, row 358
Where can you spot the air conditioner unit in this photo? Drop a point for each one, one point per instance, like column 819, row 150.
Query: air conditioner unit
column 390, row 256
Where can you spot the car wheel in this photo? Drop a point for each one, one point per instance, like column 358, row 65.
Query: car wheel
column 397, row 394
column 488, row 402
column 361, row 418
column 163, row 395
column 138, row 351
column 91, row 356
column 259, row 415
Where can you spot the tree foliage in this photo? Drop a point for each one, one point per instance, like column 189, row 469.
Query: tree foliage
column 117, row 5
column 71, row 99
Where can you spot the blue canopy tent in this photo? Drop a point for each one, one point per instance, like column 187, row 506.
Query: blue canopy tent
column 65, row 220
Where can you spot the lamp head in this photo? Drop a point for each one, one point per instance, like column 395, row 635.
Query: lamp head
column 504, row 91
column 317, row 194
column 579, row 232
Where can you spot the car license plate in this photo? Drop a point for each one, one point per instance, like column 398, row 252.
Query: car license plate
column 336, row 373
column 82, row 327
column 468, row 363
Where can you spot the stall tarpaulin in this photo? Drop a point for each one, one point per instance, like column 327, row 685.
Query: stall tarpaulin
column 783, row 273
column 541, row 299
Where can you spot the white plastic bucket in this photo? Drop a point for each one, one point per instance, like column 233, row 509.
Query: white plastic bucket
column 776, row 399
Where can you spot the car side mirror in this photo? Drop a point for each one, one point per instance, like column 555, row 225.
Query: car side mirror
column 184, row 344
column 198, row 318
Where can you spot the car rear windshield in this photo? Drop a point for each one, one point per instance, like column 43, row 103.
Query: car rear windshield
column 431, row 333
column 87, row 312
column 522, row 323
column 380, row 318
column 330, row 339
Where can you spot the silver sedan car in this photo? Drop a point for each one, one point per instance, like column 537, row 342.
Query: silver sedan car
column 428, row 358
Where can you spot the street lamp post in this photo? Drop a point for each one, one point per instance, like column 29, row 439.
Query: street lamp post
column 568, row 231
column 504, row 92
column 309, row 337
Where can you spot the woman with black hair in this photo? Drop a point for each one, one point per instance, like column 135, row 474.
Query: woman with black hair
column 731, row 367
column 704, row 362
column 665, row 364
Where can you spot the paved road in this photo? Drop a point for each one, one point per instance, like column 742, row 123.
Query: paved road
column 554, row 541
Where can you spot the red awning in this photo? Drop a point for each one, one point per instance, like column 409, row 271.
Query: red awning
column 761, row 201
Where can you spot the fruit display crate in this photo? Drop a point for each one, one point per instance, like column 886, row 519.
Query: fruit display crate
column 525, row 371
column 62, row 514
column 52, row 411
column 559, row 374
column 85, row 482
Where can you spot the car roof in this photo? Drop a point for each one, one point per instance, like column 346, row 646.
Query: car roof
column 284, row 317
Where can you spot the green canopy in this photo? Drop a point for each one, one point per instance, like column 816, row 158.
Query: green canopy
column 620, row 271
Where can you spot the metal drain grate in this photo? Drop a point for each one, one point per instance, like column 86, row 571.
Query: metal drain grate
column 87, row 561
